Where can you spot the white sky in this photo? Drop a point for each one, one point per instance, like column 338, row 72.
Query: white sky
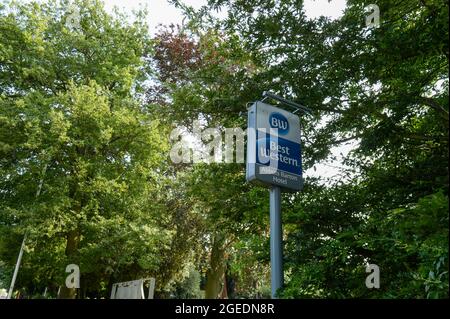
column 160, row 11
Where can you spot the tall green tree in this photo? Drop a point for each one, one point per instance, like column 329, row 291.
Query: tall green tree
column 80, row 158
column 386, row 89
column 206, row 75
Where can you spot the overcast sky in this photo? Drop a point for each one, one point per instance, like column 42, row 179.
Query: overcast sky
column 160, row 11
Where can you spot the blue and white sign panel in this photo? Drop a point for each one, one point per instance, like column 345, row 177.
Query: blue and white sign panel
column 273, row 147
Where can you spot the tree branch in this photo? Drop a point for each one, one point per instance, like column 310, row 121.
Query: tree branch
column 434, row 105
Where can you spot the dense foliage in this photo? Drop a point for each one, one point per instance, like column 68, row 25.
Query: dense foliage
column 85, row 172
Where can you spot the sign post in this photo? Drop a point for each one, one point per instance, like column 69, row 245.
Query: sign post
column 276, row 238
column 274, row 160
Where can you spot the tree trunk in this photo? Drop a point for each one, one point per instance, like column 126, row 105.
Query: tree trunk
column 73, row 238
column 224, row 293
column 216, row 271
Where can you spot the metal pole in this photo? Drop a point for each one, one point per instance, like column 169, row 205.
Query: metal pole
column 276, row 244
column 19, row 259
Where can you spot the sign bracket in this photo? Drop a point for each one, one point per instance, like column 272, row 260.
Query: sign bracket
column 296, row 106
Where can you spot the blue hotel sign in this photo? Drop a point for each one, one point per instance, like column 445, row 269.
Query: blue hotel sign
column 273, row 147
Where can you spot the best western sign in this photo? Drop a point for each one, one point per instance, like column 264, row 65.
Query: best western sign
column 273, row 147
